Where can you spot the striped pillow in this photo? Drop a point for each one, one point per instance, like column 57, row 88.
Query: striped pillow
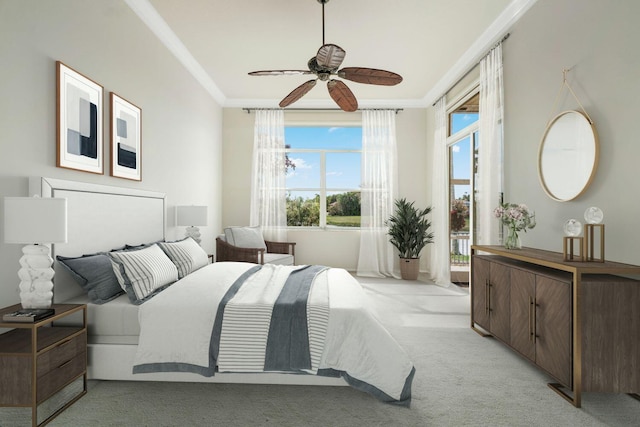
column 186, row 254
column 143, row 273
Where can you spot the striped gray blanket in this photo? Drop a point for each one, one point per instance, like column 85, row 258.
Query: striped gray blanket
column 266, row 322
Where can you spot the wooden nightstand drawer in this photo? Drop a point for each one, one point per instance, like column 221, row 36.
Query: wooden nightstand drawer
column 55, row 379
column 61, row 354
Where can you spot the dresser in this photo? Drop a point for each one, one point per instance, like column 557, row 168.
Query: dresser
column 39, row 361
column 577, row 321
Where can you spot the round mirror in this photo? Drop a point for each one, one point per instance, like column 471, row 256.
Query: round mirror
column 568, row 156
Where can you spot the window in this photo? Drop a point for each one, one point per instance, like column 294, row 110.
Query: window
column 463, row 149
column 323, row 176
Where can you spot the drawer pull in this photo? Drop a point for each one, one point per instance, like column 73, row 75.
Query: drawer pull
column 63, row 344
column 530, row 319
column 65, row 364
column 535, row 315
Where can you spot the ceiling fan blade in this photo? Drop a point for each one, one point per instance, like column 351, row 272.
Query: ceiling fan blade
column 279, row 72
column 370, row 76
column 330, row 56
column 297, row 93
column 343, row 96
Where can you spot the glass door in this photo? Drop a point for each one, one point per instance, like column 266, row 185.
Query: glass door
column 463, row 154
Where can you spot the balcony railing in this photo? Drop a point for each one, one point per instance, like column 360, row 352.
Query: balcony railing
column 460, row 248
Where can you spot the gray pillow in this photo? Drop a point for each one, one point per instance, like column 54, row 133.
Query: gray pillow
column 245, row 237
column 95, row 274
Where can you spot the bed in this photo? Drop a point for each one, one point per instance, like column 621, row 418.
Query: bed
column 343, row 343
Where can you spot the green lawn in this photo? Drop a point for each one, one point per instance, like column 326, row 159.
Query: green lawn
column 344, row 221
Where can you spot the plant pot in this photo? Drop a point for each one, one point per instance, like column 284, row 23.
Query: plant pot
column 409, row 268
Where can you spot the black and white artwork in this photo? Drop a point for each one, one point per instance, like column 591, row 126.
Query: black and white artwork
column 126, row 139
column 79, row 110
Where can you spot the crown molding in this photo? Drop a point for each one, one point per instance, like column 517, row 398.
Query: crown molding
column 492, row 35
column 150, row 16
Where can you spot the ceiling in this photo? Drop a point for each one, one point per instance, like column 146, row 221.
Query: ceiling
column 431, row 43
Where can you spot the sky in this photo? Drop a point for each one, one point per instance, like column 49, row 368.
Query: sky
column 343, row 169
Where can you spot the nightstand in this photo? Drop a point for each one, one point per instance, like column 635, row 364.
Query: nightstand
column 38, row 360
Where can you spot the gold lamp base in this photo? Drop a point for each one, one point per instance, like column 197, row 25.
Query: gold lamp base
column 568, row 249
column 590, row 236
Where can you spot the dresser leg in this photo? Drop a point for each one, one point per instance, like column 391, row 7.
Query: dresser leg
column 575, row 400
column 634, row 395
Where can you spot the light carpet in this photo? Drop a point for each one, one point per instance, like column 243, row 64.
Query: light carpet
column 462, row 379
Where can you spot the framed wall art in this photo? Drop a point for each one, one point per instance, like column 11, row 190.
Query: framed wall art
column 79, row 121
column 126, row 139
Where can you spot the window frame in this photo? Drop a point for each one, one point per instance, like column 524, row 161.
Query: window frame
column 323, row 190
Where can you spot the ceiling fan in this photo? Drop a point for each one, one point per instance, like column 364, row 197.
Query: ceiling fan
column 325, row 65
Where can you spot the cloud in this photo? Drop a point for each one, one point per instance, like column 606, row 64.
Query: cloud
column 334, row 173
column 333, row 129
column 455, row 148
column 301, row 164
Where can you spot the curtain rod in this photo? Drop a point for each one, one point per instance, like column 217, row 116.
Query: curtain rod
column 506, row 36
column 250, row 109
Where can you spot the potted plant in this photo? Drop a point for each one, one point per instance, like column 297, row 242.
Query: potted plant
column 409, row 233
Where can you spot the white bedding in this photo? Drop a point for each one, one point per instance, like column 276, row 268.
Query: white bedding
column 176, row 326
column 115, row 322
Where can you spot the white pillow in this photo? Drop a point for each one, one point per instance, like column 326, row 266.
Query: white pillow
column 143, row 273
column 245, row 237
column 186, row 254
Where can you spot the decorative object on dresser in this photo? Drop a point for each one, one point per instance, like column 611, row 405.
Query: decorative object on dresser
column 51, row 375
column 126, row 139
column 575, row 321
column 409, row 233
column 34, row 221
column 594, row 217
column 517, row 217
column 79, row 121
column 572, row 229
column 569, row 151
column 191, row 217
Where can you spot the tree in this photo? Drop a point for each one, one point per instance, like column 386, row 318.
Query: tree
column 459, row 214
column 303, row 212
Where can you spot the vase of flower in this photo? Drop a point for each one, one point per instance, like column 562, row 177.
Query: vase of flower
column 517, row 217
column 512, row 241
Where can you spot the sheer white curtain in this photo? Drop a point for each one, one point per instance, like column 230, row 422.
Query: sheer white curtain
column 379, row 176
column 268, row 186
column 440, row 251
column 490, row 171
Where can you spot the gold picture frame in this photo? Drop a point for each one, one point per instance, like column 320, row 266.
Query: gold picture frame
column 126, row 139
column 79, row 121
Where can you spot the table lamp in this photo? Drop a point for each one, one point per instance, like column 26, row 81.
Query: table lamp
column 35, row 222
column 191, row 217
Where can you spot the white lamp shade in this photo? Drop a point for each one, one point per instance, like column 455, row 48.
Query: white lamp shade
column 29, row 220
column 191, row 215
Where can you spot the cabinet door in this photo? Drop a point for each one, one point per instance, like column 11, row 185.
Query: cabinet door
column 499, row 284
column 553, row 328
column 523, row 288
column 479, row 286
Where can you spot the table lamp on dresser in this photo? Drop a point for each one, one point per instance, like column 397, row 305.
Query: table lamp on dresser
column 35, row 222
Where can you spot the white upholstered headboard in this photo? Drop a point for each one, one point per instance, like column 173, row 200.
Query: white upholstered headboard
column 100, row 218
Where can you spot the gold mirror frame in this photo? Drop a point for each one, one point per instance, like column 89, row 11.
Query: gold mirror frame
column 568, row 156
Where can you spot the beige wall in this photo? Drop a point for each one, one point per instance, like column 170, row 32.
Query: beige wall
column 328, row 247
column 598, row 39
column 104, row 40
